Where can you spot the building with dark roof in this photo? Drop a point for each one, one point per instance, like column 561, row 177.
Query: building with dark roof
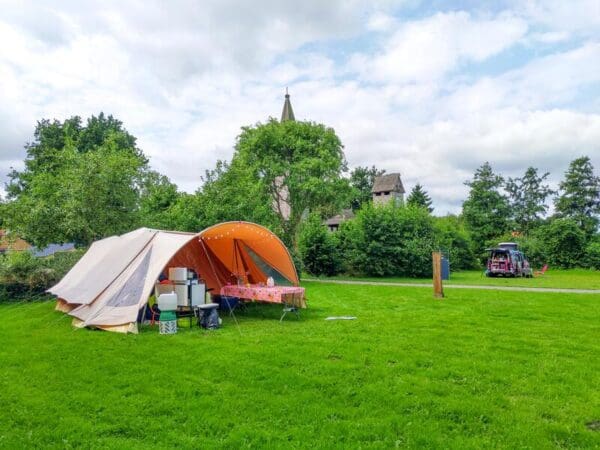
column 388, row 187
column 333, row 223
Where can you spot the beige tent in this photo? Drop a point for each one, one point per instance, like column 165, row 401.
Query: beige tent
column 111, row 283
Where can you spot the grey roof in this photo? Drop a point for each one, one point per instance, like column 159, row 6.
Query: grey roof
column 390, row 182
column 288, row 112
column 339, row 218
column 52, row 249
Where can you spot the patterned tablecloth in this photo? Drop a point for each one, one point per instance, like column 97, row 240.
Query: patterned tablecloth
column 290, row 295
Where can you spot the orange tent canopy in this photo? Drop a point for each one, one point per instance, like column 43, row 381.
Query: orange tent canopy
column 230, row 251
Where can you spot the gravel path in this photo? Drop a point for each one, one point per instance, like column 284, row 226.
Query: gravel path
column 458, row 286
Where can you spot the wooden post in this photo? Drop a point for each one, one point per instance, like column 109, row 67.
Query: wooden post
column 438, row 289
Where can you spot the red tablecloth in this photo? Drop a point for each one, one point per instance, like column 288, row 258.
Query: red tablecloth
column 276, row 294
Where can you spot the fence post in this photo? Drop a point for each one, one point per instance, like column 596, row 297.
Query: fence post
column 438, row 289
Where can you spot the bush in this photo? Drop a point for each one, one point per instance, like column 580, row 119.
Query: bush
column 564, row 243
column 592, row 255
column 24, row 276
column 389, row 241
column 454, row 238
column 318, row 248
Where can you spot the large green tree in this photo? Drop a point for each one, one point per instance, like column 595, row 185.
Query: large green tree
column 579, row 195
column 420, row 198
column 80, row 182
column 278, row 173
column 486, row 210
column 527, row 196
column 361, row 181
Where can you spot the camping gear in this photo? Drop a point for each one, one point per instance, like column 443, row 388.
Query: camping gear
column 113, row 280
column 167, row 326
column 178, row 274
column 208, row 317
column 167, row 303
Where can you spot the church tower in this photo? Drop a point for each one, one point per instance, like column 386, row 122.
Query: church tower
column 288, row 112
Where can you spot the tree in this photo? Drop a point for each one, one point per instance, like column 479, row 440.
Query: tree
column 157, row 197
column 527, row 196
column 564, row 241
column 318, row 247
column 231, row 191
column 419, row 197
column 454, row 238
column 579, row 197
column 78, row 184
column 279, row 172
column 361, row 181
column 389, row 240
column 486, row 211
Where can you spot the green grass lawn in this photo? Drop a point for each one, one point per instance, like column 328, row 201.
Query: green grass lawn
column 479, row 369
column 567, row 279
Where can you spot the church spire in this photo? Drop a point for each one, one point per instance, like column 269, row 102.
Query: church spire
column 288, row 112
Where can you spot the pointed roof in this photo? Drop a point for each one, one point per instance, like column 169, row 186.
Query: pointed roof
column 389, row 182
column 288, row 112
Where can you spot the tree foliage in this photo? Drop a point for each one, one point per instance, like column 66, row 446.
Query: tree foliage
column 564, row 243
column 80, row 183
column 486, row 210
column 527, row 196
column 418, row 197
column 390, row 240
column 579, row 197
column 454, row 239
column 318, row 247
column 278, row 173
column 362, row 180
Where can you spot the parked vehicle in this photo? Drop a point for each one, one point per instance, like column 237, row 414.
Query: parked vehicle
column 507, row 261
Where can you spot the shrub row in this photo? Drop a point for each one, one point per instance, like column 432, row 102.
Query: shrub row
column 398, row 241
column 383, row 241
column 23, row 276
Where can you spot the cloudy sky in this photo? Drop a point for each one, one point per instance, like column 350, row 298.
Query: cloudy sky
column 428, row 89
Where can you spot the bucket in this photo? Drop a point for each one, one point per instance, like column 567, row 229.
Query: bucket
column 167, row 327
column 185, row 322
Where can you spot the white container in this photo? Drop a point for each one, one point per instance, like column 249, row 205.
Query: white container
column 197, row 294
column 182, row 295
column 167, row 302
column 178, row 274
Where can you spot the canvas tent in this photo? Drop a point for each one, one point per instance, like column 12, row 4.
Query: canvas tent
column 111, row 283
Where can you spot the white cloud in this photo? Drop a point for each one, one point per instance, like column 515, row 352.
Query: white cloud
column 184, row 76
column 428, row 49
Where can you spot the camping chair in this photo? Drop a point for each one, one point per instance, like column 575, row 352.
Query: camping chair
column 542, row 271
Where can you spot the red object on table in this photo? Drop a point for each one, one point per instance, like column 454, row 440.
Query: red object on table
column 276, row 294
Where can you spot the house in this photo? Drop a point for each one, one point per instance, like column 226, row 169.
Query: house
column 12, row 242
column 52, row 249
column 333, row 223
column 388, row 188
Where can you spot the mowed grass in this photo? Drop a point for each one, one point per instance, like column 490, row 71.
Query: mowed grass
column 479, row 369
column 566, row 279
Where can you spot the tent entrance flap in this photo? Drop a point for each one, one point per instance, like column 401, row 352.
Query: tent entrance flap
column 267, row 269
